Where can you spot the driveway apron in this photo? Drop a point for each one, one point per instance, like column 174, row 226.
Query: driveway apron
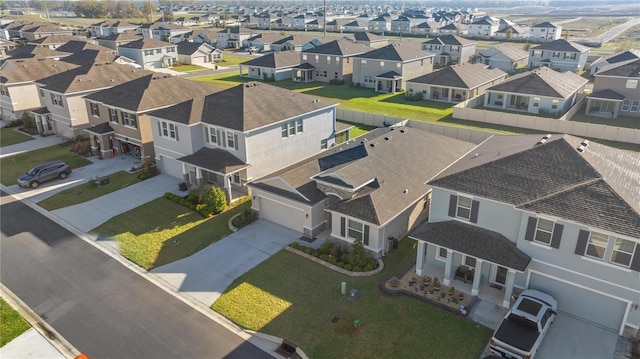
column 206, row 274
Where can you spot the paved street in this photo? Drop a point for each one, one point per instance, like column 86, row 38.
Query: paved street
column 103, row 308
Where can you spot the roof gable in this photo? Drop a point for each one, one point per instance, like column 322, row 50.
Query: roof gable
column 542, row 81
column 462, row 76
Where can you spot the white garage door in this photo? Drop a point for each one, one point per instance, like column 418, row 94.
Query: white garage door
column 171, row 167
column 281, row 214
column 199, row 59
column 582, row 303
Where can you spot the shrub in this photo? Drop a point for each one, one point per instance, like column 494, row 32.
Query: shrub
column 217, row 200
column 324, row 257
column 204, row 210
column 348, row 267
column 295, row 245
column 336, row 82
column 416, row 96
column 27, row 121
column 368, row 267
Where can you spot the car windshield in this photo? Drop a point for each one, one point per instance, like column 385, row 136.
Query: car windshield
column 33, row 172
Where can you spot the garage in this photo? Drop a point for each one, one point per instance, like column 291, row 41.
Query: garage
column 282, row 214
column 198, row 59
column 581, row 302
column 170, row 166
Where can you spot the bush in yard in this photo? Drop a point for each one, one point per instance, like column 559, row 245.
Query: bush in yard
column 204, row 210
column 348, row 267
column 217, row 200
column 247, row 216
column 357, row 257
column 296, row 245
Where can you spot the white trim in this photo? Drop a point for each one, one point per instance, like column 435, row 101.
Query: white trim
column 586, row 276
column 541, row 245
column 629, row 303
column 607, row 264
column 438, row 257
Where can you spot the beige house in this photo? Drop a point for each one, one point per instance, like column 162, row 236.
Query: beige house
column 330, row 61
column 450, row 49
column 616, row 90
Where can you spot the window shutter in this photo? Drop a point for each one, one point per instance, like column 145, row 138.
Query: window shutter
column 635, row 262
column 366, row 235
column 235, row 141
column 177, row 137
column 223, row 143
column 207, row 134
column 557, row 235
column 342, row 226
column 453, row 203
column 581, row 245
column 218, row 140
column 159, row 129
column 531, row 229
column 474, row 211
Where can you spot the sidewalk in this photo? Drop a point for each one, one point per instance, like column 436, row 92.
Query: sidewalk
column 37, row 143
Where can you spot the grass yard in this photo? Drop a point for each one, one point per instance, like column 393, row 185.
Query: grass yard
column 358, row 129
column 88, row 191
column 9, row 136
column 14, row 166
column 12, row 323
column 188, row 68
column 232, row 60
column 299, row 305
column 168, row 231
column 621, row 121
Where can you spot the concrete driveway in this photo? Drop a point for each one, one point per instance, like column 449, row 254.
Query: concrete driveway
column 572, row 338
column 206, row 274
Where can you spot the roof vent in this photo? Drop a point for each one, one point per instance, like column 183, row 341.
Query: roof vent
column 387, row 138
column 373, row 144
column 581, row 148
column 403, row 131
column 542, row 141
column 547, row 136
column 475, row 155
column 405, row 191
column 584, row 143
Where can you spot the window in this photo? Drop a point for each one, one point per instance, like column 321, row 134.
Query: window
column 323, row 144
column 554, row 104
column 304, row 57
column 158, row 51
column 536, row 53
column 94, row 109
column 399, row 65
column 57, row 100
column 623, row 251
column 455, row 48
column 556, row 54
column 285, row 130
column 381, row 64
column 469, row 261
column 113, row 115
column 236, row 178
column 299, row 125
column 464, row 208
column 171, row 49
column 626, row 104
column 4, row 91
column 631, row 84
column 597, row 245
column 544, row 231
column 335, row 75
column 292, row 128
column 355, row 230
column 363, row 62
column 41, row 93
column 231, row 142
column 442, row 253
column 213, row 135
column 148, row 52
column 570, row 56
column 168, row 130
column 536, row 101
column 634, row 106
column 129, row 119
column 317, row 58
column 328, row 59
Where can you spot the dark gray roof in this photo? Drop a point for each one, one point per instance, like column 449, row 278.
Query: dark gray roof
column 92, row 77
column 629, row 68
column 305, row 66
column 190, row 48
column 41, row 110
column 450, row 40
column 215, row 160
column 546, row 24
column 597, row 187
column 34, row 51
column 146, row 43
column 403, row 51
column 101, row 129
column 467, row 76
column 390, row 75
column 368, row 37
column 606, row 94
column 542, row 81
column 626, row 55
column 338, row 48
column 474, row 241
column 276, row 60
column 25, row 70
column 561, row 45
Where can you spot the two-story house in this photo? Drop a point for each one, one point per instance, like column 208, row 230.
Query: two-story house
column 560, row 55
column 370, row 189
column 545, row 31
column 262, row 42
column 485, row 27
column 368, row 39
column 603, row 61
column 554, row 213
column 296, row 43
column 402, row 25
column 450, row 49
column 150, row 53
column 111, row 27
column 330, row 61
column 162, row 31
column 380, row 24
column 541, row 91
column 616, row 91
column 118, row 116
column 18, row 90
column 274, row 66
column 386, row 69
column 115, row 40
column 454, row 83
column 504, row 57
column 240, row 134
column 233, row 37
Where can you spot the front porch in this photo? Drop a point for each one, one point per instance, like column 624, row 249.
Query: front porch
column 302, row 73
column 389, row 82
column 605, row 103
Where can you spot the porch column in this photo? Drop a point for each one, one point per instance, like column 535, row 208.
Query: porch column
column 511, row 275
column 475, row 288
column 447, row 268
column 199, row 179
column 240, row 67
column 422, row 250
column 449, row 96
column 185, row 173
column 227, row 188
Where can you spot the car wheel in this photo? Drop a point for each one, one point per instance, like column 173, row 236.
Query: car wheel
column 63, row 175
column 34, row 184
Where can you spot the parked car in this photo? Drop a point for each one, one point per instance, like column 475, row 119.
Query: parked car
column 252, row 49
column 524, row 326
column 44, row 172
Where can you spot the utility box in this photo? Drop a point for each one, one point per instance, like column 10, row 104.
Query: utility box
column 355, row 294
column 343, row 287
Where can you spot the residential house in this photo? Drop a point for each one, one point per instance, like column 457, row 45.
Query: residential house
column 119, row 39
column 62, row 95
column 162, row 31
column 541, row 91
column 193, row 53
column 425, row 28
column 370, row 189
column 296, row 43
column 401, row 25
column 330, row 61
column 545, row 31
column 35, row 52
column 453, row 29
column 504, row 57
column 150, row 53
column 118, row 116
column 512, row 32
column 484, row 27
column 208, row 37
column 274, row 66
column 239, row 134
column 5, row 47
column 108, row 28
column 450, row 49
column 560, row 55
column 380, row 24
column 54, row 41
column 454, row 83
column 616, row 91
column 554, row 213
column 368, row 39
column 233, row 37
column 356, row 25
column 40, row 30
column 386, row 69
column 603, row 61
column 262, row 42
column 18, row 89
column 300, row 22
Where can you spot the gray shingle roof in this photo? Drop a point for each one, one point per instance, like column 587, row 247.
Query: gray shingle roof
column 102, row 128
column 25, row 70
column 474, row 241
column 561, row 45
column 546, row 24
column 606, row 94
column 450, row 40
column 597, row 187
column 403, row 51
column 467, row 76
column 215, row 160
column 629, row 68
column 91, row 77
column 146, row 43
column 339, row 48
column 509, row 51
column 276, row 60
column 190, row 48
column 34, row 51
column 542, row 81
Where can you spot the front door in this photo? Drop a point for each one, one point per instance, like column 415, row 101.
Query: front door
column 498, row 275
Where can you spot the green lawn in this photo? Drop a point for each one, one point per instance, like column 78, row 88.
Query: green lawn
column 232, row 60
column 299, row 304
column 9, row 136
column 88, row 191
column 358, row 129
column 188, row 68
column 12, row 323
column 621, row 121
column 166, row 233
column 14, row 166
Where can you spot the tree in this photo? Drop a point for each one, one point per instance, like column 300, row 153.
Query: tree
column 509, row 33
column 91, row 8
column 148, row 9
column 3, row 5
column 216, row 200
